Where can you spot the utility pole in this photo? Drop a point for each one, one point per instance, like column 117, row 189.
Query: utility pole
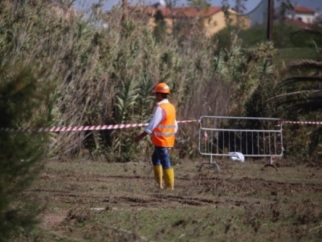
column 270, row 20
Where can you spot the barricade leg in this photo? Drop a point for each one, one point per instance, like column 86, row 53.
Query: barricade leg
column 271, row 163
column 215, row 165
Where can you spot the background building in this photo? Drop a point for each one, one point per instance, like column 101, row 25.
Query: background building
column 210, row 19
column 303, row 14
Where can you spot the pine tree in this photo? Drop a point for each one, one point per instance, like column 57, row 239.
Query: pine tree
column 21, row 101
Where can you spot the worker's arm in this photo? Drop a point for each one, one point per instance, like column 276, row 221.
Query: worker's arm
column 156, row 119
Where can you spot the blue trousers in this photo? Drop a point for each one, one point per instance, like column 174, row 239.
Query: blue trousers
column 160, row 156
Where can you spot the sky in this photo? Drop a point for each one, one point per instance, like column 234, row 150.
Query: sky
column 250, row 4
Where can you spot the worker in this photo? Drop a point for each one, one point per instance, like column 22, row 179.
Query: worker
column 163, row 127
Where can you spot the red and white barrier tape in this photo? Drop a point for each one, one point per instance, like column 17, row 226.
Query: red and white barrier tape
column 302, row 122
column 120, row 126
column 83, row 128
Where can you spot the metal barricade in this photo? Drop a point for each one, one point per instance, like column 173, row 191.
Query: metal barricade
column 253, row 137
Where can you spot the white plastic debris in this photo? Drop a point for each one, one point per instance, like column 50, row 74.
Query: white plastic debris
column 236, row 156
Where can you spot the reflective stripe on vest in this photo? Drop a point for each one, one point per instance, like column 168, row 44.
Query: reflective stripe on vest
column 164, row 134
column 166, row 126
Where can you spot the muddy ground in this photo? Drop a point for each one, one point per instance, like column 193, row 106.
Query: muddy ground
column 290, row 196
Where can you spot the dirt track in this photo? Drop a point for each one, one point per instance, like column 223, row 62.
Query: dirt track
column 216, row 186
column 291, row 192
column 193, row 188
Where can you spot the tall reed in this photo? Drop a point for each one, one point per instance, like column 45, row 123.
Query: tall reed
column 105, row 75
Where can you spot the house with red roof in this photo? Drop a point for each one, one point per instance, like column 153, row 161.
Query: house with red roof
column 302, row 14
column 210, row 19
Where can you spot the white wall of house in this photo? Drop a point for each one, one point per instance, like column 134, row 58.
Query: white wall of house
column 306, row 18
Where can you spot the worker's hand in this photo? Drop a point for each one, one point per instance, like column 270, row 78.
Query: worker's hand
column 137, row 139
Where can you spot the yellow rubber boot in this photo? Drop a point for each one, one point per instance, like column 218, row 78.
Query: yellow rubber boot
column 158, row 175
column 169, row 178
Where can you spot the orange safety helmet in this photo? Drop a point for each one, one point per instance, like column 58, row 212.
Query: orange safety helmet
column 161, row 88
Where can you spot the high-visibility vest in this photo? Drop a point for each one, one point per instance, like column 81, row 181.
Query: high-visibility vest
column 164, row 134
